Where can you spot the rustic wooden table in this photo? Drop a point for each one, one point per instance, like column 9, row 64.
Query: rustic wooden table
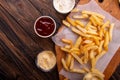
column 19, row 44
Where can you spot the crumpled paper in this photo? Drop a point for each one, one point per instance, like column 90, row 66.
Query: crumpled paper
column 113, row 46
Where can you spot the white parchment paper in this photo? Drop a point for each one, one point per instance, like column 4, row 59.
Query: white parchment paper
column 113, row 46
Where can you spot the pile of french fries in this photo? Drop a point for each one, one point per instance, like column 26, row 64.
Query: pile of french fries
column 92, row 43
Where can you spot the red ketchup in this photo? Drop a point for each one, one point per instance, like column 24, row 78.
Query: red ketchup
column 45, row 26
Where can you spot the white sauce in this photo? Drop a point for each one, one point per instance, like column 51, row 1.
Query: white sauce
column 63, row 6
column 46, row 60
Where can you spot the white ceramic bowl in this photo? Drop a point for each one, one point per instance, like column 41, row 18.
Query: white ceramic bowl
column 63, row 6
column 52, row 31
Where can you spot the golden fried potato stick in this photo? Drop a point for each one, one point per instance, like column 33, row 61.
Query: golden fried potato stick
column 72, row 64
column 86, row 69
column 68, row 60
column 100, row 48
column 64, row 64
column 106, row 42
column 71, row 21
column 83, row 16
column 66, row 23
column 92, row 54
column 81, row 29
column 87, row 41
column 79, row 23
column 101, row 32
column 77, row 31
column 92, row 32
column 111, row 31
column 78, row 42
column 66, row 41
column 86, row 56
column 80, row 71
column 93, row 13
column 77, row 58
column 68, row 46
column 65, row 49
column 93, row 63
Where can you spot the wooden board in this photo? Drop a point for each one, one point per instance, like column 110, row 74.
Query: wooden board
column 113, row 8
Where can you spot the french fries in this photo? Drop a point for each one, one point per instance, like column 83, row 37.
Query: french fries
column 72, row 22
column 93, row 13
column 66, row 23
column 110, row 31
column 91, row 44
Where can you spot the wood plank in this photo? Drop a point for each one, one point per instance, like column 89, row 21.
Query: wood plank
column 113, row 8
column 20, row 43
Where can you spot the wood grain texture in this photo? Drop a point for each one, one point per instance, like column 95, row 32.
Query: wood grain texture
column 113, row 8
column 19, row 45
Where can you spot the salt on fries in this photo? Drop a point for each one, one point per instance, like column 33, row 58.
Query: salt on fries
column 92, row 43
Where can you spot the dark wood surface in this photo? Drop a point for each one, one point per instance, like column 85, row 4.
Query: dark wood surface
column 19, row 45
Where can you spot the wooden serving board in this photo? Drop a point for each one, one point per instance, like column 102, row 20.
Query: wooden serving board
column 113, row 8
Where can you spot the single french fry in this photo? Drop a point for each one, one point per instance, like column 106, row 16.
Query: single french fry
column 77, row 16
column 66, row 41
column 80, row 71
column 81, row 29
column 66, row 23
column 106, row 42
column 101, row 32
column 87, row 41
column 78, row 42
column 72, row 64
column 92, row 47
column 68, row 46
column 68, row 60
column 78, row 31
column 77, row 58
column 92, row 32
column 93, row 13
column 71, row 21
column 79, row 23
column 83, row 16
column 111, row 30
column 65, row 49
column 86, row 69
column 100, row 48
column 93, row 63
column 86, row 57
column 64, row 64
column 92, row 54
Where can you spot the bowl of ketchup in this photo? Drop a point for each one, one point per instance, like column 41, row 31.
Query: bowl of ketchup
column 45, row 26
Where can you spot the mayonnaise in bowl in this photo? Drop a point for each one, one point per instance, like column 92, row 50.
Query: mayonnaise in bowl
column 46, row 60
column 64, row 6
